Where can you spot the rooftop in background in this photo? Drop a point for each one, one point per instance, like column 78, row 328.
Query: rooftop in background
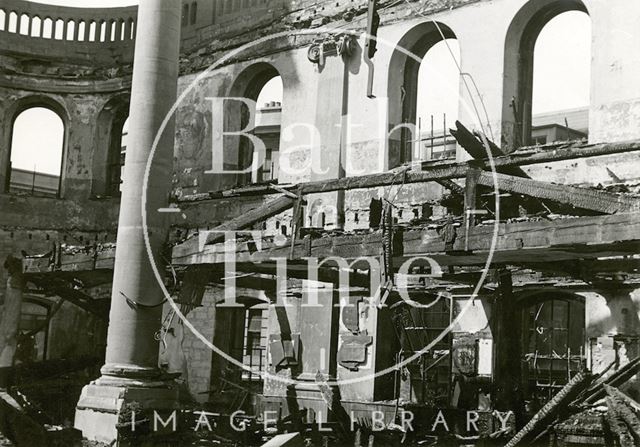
column 577, row 119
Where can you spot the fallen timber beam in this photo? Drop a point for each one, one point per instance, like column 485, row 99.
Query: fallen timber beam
column 585, row 198
column 251, row 217
column 441, row 170
column 516, row 243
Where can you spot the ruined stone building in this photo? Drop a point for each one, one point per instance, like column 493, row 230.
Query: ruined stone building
column 490, row 257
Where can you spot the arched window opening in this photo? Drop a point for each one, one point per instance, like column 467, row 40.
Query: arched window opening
column 13, row 22
column 185, row 14
column 36, row 25
column 437, row 102
column 561, row 79
column 108, row 159
column 268, row 115
column 92, row 31
column 117, row 152
column 112, row 34
column 553, row 345
column 103, row 31
column 81, row 30
column 194, row 12
column 423, row 88
column 24, row 25
column 3, row 20
column 123, row 30
column 59, row 29
column 132, row 29
column 36, row 156
column 546, row 74
column 71, row 30
column 47, row 28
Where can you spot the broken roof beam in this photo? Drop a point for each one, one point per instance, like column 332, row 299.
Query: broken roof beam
column 585, row 198
column 516, row 243
column 476, row 148
column 250, row 218
column 446, row 170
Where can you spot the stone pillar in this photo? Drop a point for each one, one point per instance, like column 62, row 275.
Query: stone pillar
column 10, row 317
column 131, row 370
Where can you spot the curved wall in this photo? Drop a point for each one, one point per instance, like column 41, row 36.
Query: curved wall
column 90, row 35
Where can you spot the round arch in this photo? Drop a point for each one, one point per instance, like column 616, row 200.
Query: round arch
column 12, row 112
column 402, row 84
column 105, row 175
column 248, row 85
column 519, row 48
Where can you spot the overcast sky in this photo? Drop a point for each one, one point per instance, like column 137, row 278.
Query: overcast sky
column 561, row 81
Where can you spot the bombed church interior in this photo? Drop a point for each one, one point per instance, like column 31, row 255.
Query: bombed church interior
column 313, row 223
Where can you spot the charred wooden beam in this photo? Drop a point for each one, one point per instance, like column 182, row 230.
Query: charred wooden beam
column 585, row 198
column 444, row 170
column 516, row 243
column 246, row 220
column 476, row 148
column 507, row 329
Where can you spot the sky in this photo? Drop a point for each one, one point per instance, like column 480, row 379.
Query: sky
column 561, row 81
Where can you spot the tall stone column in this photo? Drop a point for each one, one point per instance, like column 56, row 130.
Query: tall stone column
column 131, row 370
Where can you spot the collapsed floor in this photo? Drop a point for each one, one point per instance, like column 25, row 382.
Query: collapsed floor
column 562, row 251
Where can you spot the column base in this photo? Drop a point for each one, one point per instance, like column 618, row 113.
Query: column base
column 104, row 400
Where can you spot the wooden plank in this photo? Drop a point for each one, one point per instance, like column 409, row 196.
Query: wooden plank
column 516, row 243
column 585, row 198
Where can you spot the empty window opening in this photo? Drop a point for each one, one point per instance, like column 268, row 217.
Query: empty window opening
column 112, row 33
column 561, row 79
column 24, row 25
column 47, row 28
column 13, row 22
column 36, row 156
column 3, row 20
column 423, row 93
column 132, row 29
column 437, row 103
column 36, row 25
column 92, row 31
column 81, row 30
column 71, row 30
column 123, row 30
column 103, row 31
column 117, row 153
column 59, row 29
column 268, row 116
